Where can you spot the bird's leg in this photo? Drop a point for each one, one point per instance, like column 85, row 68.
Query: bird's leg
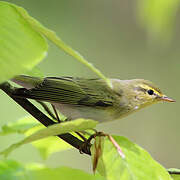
column 46, row 108
column 116, row 145
column 89, row 133
column 81, row 133
column 87, row 142
column 93, row 136
column 57, row 117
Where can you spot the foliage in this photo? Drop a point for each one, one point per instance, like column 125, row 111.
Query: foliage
column 27, row 126
column 29, row 29
column 56, row 129
column 137, row 164
column 22, row 47
column 11, row 170
column 175, row 173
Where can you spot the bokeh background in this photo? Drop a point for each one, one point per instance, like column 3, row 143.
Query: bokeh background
column 125, row 39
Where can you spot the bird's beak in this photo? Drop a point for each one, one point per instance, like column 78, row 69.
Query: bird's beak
column 167, row 99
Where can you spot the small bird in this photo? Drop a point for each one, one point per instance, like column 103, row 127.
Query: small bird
column 91, row 98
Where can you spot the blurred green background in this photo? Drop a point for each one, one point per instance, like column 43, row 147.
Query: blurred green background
column 125, row 39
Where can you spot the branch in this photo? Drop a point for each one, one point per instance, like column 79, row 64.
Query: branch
column 42, row 118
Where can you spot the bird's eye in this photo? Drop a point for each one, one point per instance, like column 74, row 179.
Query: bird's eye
column 150, row 92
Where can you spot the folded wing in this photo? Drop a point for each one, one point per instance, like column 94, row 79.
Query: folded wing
column 68, row 90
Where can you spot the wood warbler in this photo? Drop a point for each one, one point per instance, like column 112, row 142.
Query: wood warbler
column 91, row 98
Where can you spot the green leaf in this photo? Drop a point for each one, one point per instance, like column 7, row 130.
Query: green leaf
column 27, row 126
column 19, row 30
column 137, row 164
column 175, row 176
column 59, row 43
column 47, row 146
column 56, row 129
column 175, row 173
column 11, row 170
column 62, row 128
column 50, row 145
column 21, row 47
column 21, row 126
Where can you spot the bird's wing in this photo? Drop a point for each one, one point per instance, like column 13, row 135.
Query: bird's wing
column 67, row 90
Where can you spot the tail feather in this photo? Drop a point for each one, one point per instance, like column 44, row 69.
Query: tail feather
column 27, row 81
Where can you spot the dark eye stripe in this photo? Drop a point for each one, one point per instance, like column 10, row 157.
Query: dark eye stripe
column 150, row 92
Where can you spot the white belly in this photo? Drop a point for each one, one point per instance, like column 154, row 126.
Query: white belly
column 75, row 112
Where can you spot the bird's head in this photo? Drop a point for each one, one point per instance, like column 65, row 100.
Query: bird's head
column 145, row 93
column 141, row 93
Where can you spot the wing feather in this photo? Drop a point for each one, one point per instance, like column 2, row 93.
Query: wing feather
column 68, row 90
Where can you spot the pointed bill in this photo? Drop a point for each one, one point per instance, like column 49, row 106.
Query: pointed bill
column 165, row 98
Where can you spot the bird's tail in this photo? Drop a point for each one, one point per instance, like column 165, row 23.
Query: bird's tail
column 27, row 81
